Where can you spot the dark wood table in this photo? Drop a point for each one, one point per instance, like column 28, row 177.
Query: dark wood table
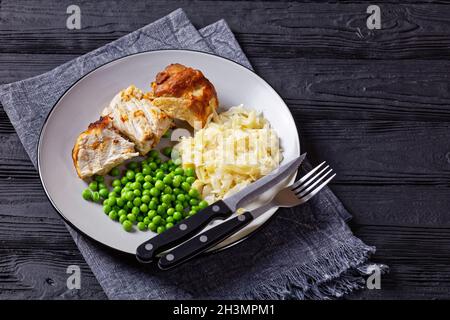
column 374, row 103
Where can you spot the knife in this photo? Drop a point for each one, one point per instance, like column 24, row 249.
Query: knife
column 206, row 239
column 222, row 209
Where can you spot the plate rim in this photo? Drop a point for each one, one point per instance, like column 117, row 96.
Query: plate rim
column 66, row 220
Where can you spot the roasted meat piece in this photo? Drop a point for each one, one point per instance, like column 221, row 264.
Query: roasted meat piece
column 184, row 93
column 100, row 148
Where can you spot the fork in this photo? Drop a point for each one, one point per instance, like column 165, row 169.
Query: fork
column 296, row 194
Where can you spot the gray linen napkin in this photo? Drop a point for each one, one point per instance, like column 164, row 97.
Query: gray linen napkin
column 305, row 252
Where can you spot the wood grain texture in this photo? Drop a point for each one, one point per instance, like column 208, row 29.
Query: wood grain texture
column 374, row 104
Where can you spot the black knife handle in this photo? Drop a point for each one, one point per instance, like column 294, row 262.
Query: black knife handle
column 203, row 241
column 182, row 231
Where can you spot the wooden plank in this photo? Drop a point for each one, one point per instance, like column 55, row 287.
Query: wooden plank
column 267, row 29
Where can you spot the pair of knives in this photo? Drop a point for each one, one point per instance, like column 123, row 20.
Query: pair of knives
column 222, row 209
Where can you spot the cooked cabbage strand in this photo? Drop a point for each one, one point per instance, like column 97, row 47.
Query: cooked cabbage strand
column 234, row 149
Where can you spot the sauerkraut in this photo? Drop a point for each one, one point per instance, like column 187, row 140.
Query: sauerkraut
column 234, row 149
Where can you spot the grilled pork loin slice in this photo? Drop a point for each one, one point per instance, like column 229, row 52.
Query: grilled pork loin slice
column 100, row 148
column 137, row 119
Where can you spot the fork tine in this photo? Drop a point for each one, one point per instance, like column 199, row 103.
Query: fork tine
column 316, row 190
column 303, row 179
column 309, row 181
column 311, row 187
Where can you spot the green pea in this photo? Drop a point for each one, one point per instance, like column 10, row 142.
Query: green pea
column 136, row 185
column 87, row 194
column 146, row 170
column 167, row 190
column 160, row 209
column 114, row 172
column 95, row 196
column 156, row 219
column 194, row 208
column 153, row 205
column 129, row 195
column 185, row 186
column 141, row 226
column 167, row 198
column 154, row 192
column 190, row 172
column 190, row 180
column 137, row 193
column 194, row 193
column 176, row 191
column 193, row 202
column 160, row 229
column 124, row 180
column 153, row 165
column 132, row 165
column 167, row 180
column 103, row 193
column 170, row 211
column 164, row 167
column 192, row 212
column 170, row 219
column 135, row 211
column 159, row 175
column 147, row 186
column 153, row 154
column 143, row 208
column 177, row 180
column 179, row 207
column 147, row 220
column 148, row 178
column 117, row 190
column 111, row 201
column 139, row 218
column 167, row 151
column 116, row 183
column 107, row 208
column 102, row 185
column 137, row 201
column 169, row 225
column 140, row 179
column 181, row 197
column 130, row 174
column 122, row 218
column 122, row 212
column 152, row 226
column 177, row 216
column 113, row 215
column 159, row 185
column 127, row 225
column 179, row 171
column 146, row 192
column 203, row 204
column 151, row 214
column 93, row 185
column 145, row 199
column 99, row 178
column 131, row 217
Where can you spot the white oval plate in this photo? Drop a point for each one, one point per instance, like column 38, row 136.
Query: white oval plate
column 84, row 101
